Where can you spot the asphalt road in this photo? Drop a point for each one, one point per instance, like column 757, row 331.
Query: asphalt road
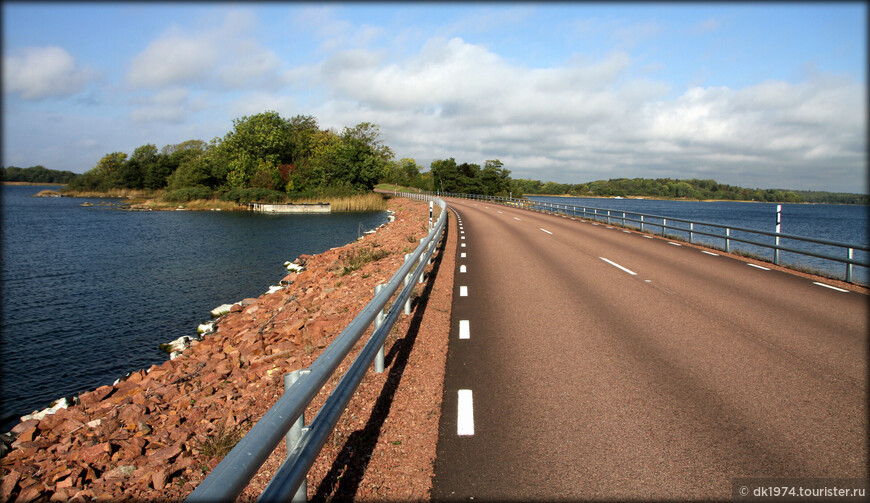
column 586, row 362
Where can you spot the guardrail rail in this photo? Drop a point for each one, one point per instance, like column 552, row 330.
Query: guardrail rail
column 285, row 419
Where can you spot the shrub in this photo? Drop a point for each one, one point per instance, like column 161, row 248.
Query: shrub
column 254, row 195
column 187, row 194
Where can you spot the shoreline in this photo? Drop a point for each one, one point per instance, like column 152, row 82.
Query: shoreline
column 145, row 437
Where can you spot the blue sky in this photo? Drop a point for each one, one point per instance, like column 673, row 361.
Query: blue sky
column 757, row 95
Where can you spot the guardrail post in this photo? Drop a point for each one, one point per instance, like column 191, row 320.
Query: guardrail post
column 727, row 241
column 608, row 217
column 623, row 219
column 778, row 222
column 408, row 280
column 422, row 258
column 641, row 223
column 691, row 233
column 295, row 433
column 664, row 227
column 379, row 320
column 849, row 267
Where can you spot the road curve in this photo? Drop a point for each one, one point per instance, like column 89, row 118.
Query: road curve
column 589, row 362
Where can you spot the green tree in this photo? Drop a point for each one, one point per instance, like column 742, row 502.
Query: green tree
column 256, row 143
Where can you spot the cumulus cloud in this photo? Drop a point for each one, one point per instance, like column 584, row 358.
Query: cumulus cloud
column 35, row 73
column 592, row 119
column 224, row 57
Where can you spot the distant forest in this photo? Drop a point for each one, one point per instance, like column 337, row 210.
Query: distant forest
column 668, row 188
column 35, row 174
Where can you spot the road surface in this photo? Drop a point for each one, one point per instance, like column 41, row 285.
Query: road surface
column 588, row 362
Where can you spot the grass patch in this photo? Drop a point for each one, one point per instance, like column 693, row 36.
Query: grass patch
column 221, row 440
column 395, row 188
column 358, row 257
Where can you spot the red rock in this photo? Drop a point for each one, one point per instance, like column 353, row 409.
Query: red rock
column 60, row 494
column 24, row 425
column 68, row 426
column 131, row 414
column 158, row 479
column 236, row 308
column 10, row 481
column 30, row 493
column 94, row 453
column 29, row 434
column 165, row 454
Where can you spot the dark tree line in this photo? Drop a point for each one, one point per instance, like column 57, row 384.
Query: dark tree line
column 683, row 189
column 35, row 174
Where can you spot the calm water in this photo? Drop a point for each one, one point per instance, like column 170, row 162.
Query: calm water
column 90, row 292
column 840, row 223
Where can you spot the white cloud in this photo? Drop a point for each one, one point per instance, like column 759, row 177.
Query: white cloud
column 36, row 73
column 174, row 59
column 588, row 119
column 223, row 57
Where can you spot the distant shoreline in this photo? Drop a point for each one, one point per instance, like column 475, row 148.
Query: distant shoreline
column 35, row 183
column 658, row 198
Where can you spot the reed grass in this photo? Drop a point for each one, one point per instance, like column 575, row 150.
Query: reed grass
column 113, row 193
column 371, row 201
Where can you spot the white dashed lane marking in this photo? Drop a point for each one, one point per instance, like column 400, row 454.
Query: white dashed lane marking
column 758, row 267
column 462, row 268
column 675, row 244
column 831, row 287
column 517, row 219
column 462, row 255
column 545, row 230
column 614, row 264
column 463, row 291
column 465, row 413
column 464, row 329
column 710, row 253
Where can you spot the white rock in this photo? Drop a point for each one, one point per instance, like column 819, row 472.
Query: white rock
column 205, row 328
column 94, row 423
column 221, row 310
column 60, row 403
column 294, row 267
column 273, row 289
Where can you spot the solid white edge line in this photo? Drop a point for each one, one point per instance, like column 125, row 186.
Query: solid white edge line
column 463, row 291
column 710, row 253
column 831, row 287
column 545, row 230
column 464, row 329
column 757, row 266
column 614, row 264
column 465, row 413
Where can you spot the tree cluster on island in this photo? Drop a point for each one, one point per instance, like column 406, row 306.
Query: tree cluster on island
column 265, row 157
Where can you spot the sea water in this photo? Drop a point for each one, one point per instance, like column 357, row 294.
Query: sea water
column 89, row 293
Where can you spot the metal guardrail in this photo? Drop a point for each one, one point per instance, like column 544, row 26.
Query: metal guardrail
column 599, row 214
column 285, row 419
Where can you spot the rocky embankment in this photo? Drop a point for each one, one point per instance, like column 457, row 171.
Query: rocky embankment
column 158, row 432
